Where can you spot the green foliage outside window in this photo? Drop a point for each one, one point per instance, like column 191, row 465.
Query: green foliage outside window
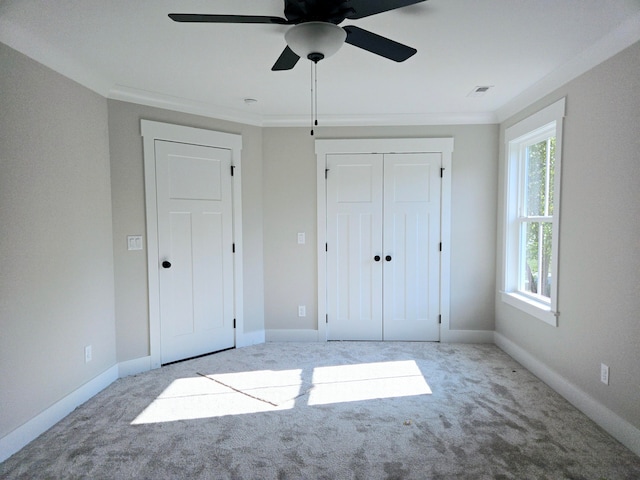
column 539, row 168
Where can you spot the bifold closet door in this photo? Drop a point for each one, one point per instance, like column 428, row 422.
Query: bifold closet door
column 354, row 240
column 383, row 254
column 411, row 240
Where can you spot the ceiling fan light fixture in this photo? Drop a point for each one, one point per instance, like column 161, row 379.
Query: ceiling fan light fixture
column 315, row 40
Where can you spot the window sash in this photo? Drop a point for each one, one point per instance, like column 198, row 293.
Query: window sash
column 523, row 257
column 526, row 283
column 547, row 135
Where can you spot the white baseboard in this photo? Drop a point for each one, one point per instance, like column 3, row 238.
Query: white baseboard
column 250, row 338
column 616, row 426
column 291, row 335
column 21, row 436
column 466, row 336
column 451, row 336
column 133, row 367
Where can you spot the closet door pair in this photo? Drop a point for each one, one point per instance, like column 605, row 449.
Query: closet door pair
column 383, row 246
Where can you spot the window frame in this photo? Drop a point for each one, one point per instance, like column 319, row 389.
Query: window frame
column 527, row 132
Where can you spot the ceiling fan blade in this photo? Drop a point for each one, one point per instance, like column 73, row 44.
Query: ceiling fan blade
column 287, row 60
column 198, row 18
column 382, row 46
column 366, row 8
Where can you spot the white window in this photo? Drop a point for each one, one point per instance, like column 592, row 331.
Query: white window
column 533, row 149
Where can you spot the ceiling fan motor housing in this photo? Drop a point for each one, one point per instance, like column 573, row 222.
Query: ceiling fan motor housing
column 333, row 11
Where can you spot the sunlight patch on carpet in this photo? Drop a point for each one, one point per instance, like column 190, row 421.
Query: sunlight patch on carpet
column 367, row 381
column 198, row 398
column 217, row 395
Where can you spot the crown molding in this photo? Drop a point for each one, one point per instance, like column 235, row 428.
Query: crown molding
column 465, row 118
column 168, row 102
column 611, row 44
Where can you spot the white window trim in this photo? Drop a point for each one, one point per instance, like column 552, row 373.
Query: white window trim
column 522, row 131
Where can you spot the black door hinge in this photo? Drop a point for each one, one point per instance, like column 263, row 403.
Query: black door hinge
column 441, row 172
column 326, row 173
column 234, row 323
column 440, row 246
column 233, row 248
column 439, row 319
column 326, row 320
column 233, row 167
column 326, row 247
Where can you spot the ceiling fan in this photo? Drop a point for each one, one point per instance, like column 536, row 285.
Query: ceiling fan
column 315, row 33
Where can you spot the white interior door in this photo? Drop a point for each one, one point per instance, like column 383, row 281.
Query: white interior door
column 354, row 233
column 383, row 255
column 195, row 246
column 411, row 246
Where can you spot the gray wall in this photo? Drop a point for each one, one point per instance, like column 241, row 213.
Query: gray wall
column 290, row 207
column 127, row 183
column 56, row 285
column 599, row 258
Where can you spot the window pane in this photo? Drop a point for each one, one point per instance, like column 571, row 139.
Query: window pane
column 529, row 258
column 535, row 180
column 552, row 170
column 535, row 261
column 545, row 267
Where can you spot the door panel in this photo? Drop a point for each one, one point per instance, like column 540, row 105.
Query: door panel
column 411, row 238
column 178, row 279
column 354, row 234
column 195, row 236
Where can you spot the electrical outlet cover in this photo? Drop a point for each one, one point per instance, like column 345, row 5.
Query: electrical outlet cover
column 604, row 374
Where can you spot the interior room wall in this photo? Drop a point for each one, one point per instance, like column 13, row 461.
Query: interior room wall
column 56, row 283
column 599, row 259
column 290, row 207
column 127, row 181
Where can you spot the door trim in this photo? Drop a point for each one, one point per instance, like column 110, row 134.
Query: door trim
column 443, row 146
column 152, row 131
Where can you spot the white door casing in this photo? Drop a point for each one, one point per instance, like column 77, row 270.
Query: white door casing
column 152, row 133
column 442, row 148
column 195, row 242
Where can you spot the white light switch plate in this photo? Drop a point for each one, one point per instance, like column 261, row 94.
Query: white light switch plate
column 301, row 238
column 134, row 242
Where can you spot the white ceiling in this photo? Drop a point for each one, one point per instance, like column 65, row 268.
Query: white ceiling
column 131, row 50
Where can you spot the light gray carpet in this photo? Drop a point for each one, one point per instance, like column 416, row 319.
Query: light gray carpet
column 337, row 410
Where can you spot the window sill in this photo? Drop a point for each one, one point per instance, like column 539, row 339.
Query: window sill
column 537, row 309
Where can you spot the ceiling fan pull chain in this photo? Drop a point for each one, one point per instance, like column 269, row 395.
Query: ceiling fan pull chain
column 312, row 65
column 315, row 68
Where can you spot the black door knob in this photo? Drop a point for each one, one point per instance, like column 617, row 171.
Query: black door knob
column 166, row 264
column 388, row 258
column 377, row 258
